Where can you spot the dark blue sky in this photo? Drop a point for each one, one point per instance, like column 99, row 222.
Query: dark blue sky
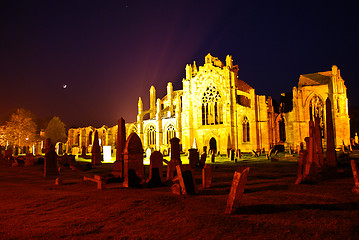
column 110, row 52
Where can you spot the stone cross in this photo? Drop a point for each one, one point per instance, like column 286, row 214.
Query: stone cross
column 237, row 189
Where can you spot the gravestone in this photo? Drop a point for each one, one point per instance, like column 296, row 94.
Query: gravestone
column 175, row 150
column 175, row 158
column 186, row 180
column 301, row 163
column 50, row 165
column 84, row 151
column 331, row 158
column 148, row 153
column 133, row 162
column 202, row 162
column 156, row 169
column 118, row 165
column 355, row 175
column 237, row 189
column 232, row 154
column 96, row 157
column 193, row 157
column 206, row 176
column 29, row 159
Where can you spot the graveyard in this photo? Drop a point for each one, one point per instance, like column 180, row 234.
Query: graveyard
column 272, row 205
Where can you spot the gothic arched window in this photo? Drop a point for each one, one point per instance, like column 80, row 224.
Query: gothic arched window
column 316, row 110
column 170, row 133
column 281, row 124
column 245, row 126
column 212, row 109
column 151, row 135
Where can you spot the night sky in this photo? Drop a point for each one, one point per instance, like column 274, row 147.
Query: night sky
column 109, row 53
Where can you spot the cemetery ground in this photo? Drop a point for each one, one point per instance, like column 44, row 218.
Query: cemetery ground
column 272, row 206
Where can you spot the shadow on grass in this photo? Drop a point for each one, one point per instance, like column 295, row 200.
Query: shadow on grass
column 278, row 208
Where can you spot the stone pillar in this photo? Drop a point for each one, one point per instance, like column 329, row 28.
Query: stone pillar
column 96, row 151
column 331, row 158
column 120, row 146
column 193, row 157
column 175, row 150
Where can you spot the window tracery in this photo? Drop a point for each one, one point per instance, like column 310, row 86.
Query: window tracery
column 212, row 108
column 151, row 135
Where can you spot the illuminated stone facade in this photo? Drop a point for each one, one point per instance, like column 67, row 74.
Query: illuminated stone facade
column 220, row 111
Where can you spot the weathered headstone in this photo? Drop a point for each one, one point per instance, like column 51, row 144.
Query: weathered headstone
column 186, row 180
column 301, row 163
column 50, row 166
column 96, row 157
column 193, row 157
column 120, row 146
column 175, row 150
column 237, row 189
column 156, row 169
column 133, row 162
column 355, row 175
column 84, row 151
column 202, row 162
column 97, row 179
column 331, row 158
column 206, row 176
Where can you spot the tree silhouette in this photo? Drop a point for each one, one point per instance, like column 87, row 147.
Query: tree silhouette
column 56, row 130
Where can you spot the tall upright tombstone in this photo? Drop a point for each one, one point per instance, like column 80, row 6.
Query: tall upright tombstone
column 118, row 166
column 175, row 150
column 318, row 143
column 331, row 158
column 50, row 165
column 96, row 151
column 193, row 157
column 175, row 158
column 133, row 162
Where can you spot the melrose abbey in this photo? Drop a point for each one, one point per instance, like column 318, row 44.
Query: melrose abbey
column 217, row 110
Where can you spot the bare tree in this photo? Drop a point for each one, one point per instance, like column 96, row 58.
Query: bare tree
column 20, row 130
